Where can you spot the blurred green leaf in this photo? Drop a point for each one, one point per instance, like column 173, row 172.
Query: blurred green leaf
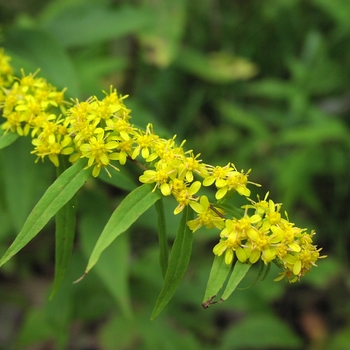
column 294, row 177
column 7, row 139
column 272, row 88
column 118, row 333
column 128, row 211
column 162, row 37
column 21, row 188
column 329, row 130
column 90, row 23
column 260, row 332
column 160, row 335
column 338, row 9
column 215, row 67
column 56, row 196
column 93, row 70
column 35, row 329
column 243, row 118
column 32, row 49
column 178, row 262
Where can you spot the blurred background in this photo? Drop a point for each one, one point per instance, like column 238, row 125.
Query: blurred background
column 264, row 84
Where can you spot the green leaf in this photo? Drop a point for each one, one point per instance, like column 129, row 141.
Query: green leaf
column 22, row 191
column 260, row 331
column 64, row 234
column 93, row 23
column 331, row 130
column 218, row 275
column 162, row 237
column 161, row 39
column 7, row 139
column 178, row 263
column 56, row 196
column 129, row 210
column 216, row 67
column 33, row 48
column 238, row 273
column 243, row 118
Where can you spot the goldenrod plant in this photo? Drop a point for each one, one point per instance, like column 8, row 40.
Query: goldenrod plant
column 82, row 139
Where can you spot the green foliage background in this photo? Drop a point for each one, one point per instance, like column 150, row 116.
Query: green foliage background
column 264, row 84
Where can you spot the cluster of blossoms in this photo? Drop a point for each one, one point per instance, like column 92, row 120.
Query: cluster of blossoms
column 100, row 131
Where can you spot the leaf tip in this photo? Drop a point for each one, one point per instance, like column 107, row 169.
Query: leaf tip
column 80, row 278
column 209, row 302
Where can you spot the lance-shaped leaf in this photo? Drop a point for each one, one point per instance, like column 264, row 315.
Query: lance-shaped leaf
column 178, row 263
column 56, row 196
column 7, row 138
column 65, row 220
column 218, row 274
column 238, row 273
column 128, row 211
column 65, row 233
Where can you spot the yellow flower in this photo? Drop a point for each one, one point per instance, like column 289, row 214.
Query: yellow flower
column 264, row 245
column 189, row 165
column 160, row 176
column 233, row 236
column 206, row 216
column 99, row 153
column 185, row 196
column 144, row 141
column 52, row 147
column 227, row 179
column 6, row 72
column 230, row 246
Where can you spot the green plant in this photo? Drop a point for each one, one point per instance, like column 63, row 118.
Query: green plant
column 185, row 66
column 97, row 132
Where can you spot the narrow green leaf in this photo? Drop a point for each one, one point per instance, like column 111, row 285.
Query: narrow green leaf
column 7, row 139
column 162, row 237
column 178, row 263
column 238, row 273
column 129, row 210
column 218, row 275
column 65, row 221
column 65, row 233
column 56, row 196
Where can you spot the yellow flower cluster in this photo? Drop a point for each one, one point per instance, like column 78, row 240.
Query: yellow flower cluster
column 267, row 236
column 6, row 72
column 100, row 131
